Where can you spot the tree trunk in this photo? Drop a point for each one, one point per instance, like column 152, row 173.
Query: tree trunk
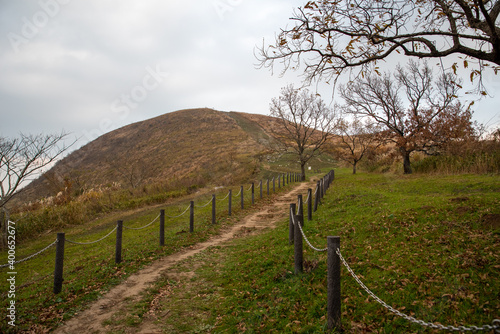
column 354, row 167
column 406, row 161
column 303, row 171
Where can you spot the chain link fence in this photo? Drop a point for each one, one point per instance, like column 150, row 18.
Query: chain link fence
column 495, row 325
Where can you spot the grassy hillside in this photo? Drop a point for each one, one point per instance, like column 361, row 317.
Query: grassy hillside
column 150, row 162
column 427, row 245
column 184, row 148
column 90, row 269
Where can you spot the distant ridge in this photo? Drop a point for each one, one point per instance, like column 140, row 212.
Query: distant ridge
column 187, row 146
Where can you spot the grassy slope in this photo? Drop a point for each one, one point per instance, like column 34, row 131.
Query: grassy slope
column 89, row 270
column 427, row 245
column 173, row 154
column 183, row 147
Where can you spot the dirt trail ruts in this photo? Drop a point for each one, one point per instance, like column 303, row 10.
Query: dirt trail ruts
column 92, row 319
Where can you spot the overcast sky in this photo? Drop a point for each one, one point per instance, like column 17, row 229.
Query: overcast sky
column 89, row 67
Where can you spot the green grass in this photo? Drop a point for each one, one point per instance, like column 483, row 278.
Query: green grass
column 427, row 245
column 90, row 270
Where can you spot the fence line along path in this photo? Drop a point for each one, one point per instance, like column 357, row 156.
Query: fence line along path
column 117, row 299
column 335, row 258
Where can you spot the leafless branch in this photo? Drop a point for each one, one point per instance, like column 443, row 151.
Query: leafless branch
column 305, row 122
column 329, row 37
column 22, row 159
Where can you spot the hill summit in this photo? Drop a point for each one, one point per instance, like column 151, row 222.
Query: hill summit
column 191, row 147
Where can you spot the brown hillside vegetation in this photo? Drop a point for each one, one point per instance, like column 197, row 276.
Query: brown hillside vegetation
column 185, row 148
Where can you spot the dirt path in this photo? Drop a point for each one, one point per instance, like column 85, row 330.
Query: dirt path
column 93, row 320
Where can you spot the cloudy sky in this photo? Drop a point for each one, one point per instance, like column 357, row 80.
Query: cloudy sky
column 88, row 67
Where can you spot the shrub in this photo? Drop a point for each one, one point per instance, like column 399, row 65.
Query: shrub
column 474, row 163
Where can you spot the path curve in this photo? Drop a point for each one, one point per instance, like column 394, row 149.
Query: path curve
column 92, row 319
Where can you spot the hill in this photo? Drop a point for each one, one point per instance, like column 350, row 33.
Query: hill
column 186, row 148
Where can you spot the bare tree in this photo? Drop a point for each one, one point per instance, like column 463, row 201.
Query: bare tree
column 22, row 159
column 331, row 36
column 419, row 112
column 305, row 123
column 357, row 139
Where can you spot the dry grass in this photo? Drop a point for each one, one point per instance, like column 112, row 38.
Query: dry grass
column 187, row 147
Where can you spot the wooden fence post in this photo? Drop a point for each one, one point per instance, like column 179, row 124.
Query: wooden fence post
column 242, row 199
column 316, row 196
column 298, row 249
column 279, row 181
column 59, row 264
column 329, row 180
column 213, row 209
column 253, row 193
column 291, row 228
column 191, row 216
column 300, row 211
column 309, row 204
column 333, row 284
column 118, row 249
column 230, row 200
column 260, row 189
column 322, row 189
column 162, row 227
column 267, row 187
